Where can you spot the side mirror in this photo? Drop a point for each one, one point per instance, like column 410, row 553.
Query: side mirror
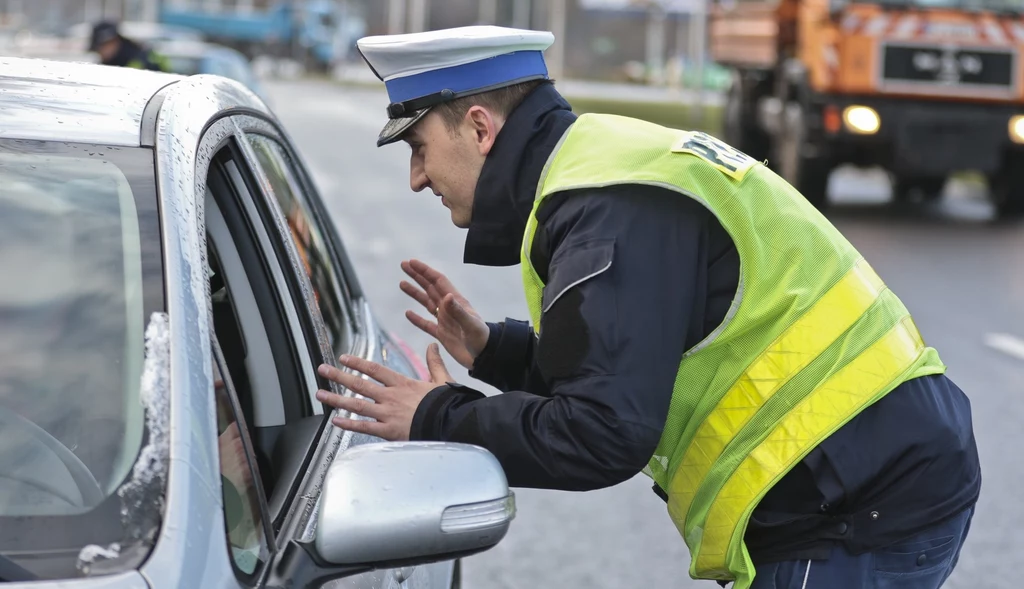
column 388, row 505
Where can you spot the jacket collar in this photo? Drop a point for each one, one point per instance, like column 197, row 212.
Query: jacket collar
column 508, row 181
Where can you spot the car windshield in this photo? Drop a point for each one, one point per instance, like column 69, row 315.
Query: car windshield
column 80, row 275
column 230, row 67
column 219, row 64
column 184, row 65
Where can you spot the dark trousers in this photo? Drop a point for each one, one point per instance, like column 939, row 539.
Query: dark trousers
column 923, row 561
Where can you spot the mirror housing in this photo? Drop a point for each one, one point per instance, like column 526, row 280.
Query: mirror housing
column 394, row 504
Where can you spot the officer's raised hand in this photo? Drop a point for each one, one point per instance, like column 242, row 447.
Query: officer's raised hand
column 459, row 327
column 394, row 404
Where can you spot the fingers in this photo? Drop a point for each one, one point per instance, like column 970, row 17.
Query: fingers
column 370, row 428
column 355, row 384
column 458, row 312
column 417, row 295
column 427, row 326
column 377, row 372
column 416, row 275
column 351, row 404
column 430, row 296
column 435, row 364
column 231, row 431
column 431, row 276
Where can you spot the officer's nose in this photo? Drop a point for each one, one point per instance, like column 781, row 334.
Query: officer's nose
column 418, row 179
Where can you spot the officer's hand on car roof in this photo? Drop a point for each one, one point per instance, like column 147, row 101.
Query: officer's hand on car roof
column 393, row 405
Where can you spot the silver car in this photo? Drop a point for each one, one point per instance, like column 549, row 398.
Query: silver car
column 169, row 282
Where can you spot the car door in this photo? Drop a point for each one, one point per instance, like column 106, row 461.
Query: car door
column 325, row 313
column 334, row 287
column 257, row 328
column 271, row 339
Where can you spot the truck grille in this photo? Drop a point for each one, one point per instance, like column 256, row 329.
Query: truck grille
column 947, row 69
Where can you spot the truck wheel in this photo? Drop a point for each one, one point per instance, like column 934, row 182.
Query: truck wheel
column 1007, row 189
column 813, row 182
column 808, row 175
column 739, row 127
column 905, row 188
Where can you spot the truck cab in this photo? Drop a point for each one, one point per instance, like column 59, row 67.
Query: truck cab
column 922, row 88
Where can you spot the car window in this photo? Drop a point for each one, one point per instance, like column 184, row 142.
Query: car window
column 216, row 66
column 80, row 278
column 230, row 66
column 242, row 502
column 185, row 65
column 262, row 327
column 309, row 239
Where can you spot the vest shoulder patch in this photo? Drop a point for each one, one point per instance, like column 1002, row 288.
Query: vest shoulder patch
column 724, row 157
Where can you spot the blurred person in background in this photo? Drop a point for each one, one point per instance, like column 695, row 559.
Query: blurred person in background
column 693, row 317
column 117, row 50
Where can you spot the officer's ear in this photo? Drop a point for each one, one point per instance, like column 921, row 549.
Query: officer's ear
column 484, row 126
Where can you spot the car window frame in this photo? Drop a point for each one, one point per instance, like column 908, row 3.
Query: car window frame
column 242, row 179
column 268, row 533
column 226, row 144
column 337, row 281
column 298, row 513
column 288, row 312
column 299, row 527
column 300, row 522
column 352, row 289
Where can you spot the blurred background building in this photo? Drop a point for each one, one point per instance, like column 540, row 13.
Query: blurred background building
column 653, row 41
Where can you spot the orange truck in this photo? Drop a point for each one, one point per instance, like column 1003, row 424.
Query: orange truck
column 922, row 88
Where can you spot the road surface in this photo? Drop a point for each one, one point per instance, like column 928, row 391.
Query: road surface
column 960, row 274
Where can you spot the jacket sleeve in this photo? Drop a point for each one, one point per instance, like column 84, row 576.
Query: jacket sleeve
column 618, row 308
column 506, row 363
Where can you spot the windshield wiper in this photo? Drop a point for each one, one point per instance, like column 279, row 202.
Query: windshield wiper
column 11, row 571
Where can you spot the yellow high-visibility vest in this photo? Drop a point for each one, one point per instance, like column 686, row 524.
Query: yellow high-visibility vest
column 812, row 338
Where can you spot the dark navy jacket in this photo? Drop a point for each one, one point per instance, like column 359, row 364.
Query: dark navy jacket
column 131, row 51
column 635, row 276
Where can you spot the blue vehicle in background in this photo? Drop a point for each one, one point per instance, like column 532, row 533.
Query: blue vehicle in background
column 189, row 58
column 308, row 31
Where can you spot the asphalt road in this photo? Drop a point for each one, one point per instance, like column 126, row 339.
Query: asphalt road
column 960, row 274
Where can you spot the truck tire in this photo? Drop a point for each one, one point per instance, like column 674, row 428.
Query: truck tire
column 1007, row 189
column 808, row 175
column 739, row 122
column 929, row 189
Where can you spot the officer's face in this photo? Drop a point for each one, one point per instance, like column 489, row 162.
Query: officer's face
column 449, row 162
column 108, row 50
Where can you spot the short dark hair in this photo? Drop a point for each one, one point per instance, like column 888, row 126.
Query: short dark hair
column 501, row 102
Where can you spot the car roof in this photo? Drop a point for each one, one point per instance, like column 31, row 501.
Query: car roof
column 75, row 102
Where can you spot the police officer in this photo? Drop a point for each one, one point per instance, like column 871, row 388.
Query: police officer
column 692, row 316
column 116, row 49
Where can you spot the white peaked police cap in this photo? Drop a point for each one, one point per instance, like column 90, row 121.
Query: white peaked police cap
column 422, row 70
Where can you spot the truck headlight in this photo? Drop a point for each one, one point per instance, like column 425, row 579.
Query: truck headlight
column 862, row 120
column 1017, row 128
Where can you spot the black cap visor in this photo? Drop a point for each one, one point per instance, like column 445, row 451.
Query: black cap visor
column 400, row 123
column 397, row 127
